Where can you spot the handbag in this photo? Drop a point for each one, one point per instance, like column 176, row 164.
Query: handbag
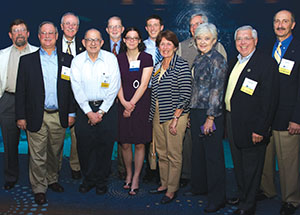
column 152, row 156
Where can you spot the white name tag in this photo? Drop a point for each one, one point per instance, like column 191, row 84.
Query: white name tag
column 65, row 73
column 286, row 66
column 134, row 65
column 248, row 86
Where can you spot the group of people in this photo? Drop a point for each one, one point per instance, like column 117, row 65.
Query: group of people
column 165, row 97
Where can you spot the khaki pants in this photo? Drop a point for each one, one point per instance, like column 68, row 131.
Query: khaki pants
column 169, row 150
column 45, row 148
column 286, row 147
column 74, row 160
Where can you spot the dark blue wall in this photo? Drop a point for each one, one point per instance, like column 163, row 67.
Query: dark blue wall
column 226, row 14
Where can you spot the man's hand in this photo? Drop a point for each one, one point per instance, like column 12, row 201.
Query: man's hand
column 71, row 120
column 94, row 118
column 21, row 123
column 256, row 138
column 293, row 128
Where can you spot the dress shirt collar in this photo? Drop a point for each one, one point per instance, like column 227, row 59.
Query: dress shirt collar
column 112, row 45
column 65, row 39
column 151, row 42
column 43, row 52
column 284, row 44
column 244, row 59
column 25, row 50
column 99, row 57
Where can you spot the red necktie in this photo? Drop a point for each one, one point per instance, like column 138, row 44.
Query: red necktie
column 114, row 49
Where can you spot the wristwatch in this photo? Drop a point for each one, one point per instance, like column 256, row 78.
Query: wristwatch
column 101, row 112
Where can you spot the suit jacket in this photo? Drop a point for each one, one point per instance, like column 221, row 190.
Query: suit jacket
column 254, row 113
column 78, row 45
column 106, row 47
column 30, row 91
column 289, row 86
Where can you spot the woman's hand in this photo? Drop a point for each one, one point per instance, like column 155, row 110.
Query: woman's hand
column 126, row 114
column 208, row 126
column 129, row 106
column 172, row 126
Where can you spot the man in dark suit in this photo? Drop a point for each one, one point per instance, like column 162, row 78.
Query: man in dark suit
column 286, row 126
column 115, row 29
column 69, row 43
column 44, row 107
column 249, row 101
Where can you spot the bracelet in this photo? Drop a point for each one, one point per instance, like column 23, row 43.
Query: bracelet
column 211, row 117
column 175, row 117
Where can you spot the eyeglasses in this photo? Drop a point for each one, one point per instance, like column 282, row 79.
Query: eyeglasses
column 90, row 40
column 50, row 33
column 19, row 30
column 239, row 39
column 115, row 26
column 195, row 24
column 70, row 24
column 132, row 38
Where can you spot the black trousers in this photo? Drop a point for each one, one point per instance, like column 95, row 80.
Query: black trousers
column 208, row 165
column 248, row 167
column 95, row 146
column 11, row 136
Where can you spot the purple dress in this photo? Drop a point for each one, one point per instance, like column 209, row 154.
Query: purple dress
column 137, row 128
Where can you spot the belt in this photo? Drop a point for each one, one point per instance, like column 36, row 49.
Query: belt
column 50, row 111
column 96, row 103
column 11, row 93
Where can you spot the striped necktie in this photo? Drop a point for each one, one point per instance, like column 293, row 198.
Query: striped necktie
column 114, row 51
column 277, row 53
column 69, row 47
column 158, row 56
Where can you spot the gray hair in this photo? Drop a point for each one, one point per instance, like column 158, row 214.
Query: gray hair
column 67, row 14
column 246, row 27
column 207, row 28
column 47, row 22
column 114, row 17
column 93, row 29
column 203, row 17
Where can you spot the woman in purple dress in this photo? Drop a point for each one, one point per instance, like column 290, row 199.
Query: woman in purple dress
column 134, row 104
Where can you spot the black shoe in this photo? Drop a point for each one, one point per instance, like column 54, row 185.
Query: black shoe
column 133, row 192
column 261, row 196
column 101, row 190
column 9, row 185
column 40, row 198
column 83, row 188
column 155, row 191
column 233, row 201
column 211, row 208
column 76, row 174
column 191, row 193
column 287, row 209
column 183, row 182
column 250, row 211
column 56, row 187
column 166, row 199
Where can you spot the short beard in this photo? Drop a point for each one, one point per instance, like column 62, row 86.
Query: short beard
column 20, row 43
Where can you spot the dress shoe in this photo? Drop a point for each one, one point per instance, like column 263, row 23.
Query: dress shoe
column 101, row 190
column 76, row 174
column 211, row 208
column 250, row 211
column 261, row 196
column 126, row 185
column 167, row 199
column 183, row 182
column 287, row 209
column 133, row 192
column 56, row 187
column 83, row 188
column 233, row 201
column 191, row 193
column 156, row 191
column 40, row 198
column 9, row 185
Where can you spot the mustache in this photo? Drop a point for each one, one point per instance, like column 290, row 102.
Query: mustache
column 280, row 28
column 20, row 37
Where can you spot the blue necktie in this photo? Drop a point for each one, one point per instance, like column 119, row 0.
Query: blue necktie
column 158, row 56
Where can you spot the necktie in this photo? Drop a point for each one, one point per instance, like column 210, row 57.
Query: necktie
column 158, row 56
column 69, row 47
column 277, row 54
column 114, row 51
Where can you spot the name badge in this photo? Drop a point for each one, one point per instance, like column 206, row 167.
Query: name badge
column 134, row 65
column 105, row 82
column 248, row 86
column 286, row 66
column 65, row 73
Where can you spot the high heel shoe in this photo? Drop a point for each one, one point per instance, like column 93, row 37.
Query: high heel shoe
column 127, row 185
column 133, row 192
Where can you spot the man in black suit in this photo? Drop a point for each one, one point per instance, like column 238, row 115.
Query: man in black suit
column 44, row 107
column 286, row 126
column 249, row 102
column 115, row 29
column 69, row 43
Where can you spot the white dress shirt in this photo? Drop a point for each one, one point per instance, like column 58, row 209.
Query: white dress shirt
column 87, row 78
column 72, row 46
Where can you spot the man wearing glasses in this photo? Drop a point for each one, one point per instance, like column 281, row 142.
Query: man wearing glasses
column 95, row 79
column 45, row 107
column 9, row 58
column 69, row 43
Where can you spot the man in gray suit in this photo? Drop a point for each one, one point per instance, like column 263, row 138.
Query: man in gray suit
column 187, row 49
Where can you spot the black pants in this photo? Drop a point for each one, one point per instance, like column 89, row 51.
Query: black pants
column 208, row 166
column 95, row 145
column 248, row 167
